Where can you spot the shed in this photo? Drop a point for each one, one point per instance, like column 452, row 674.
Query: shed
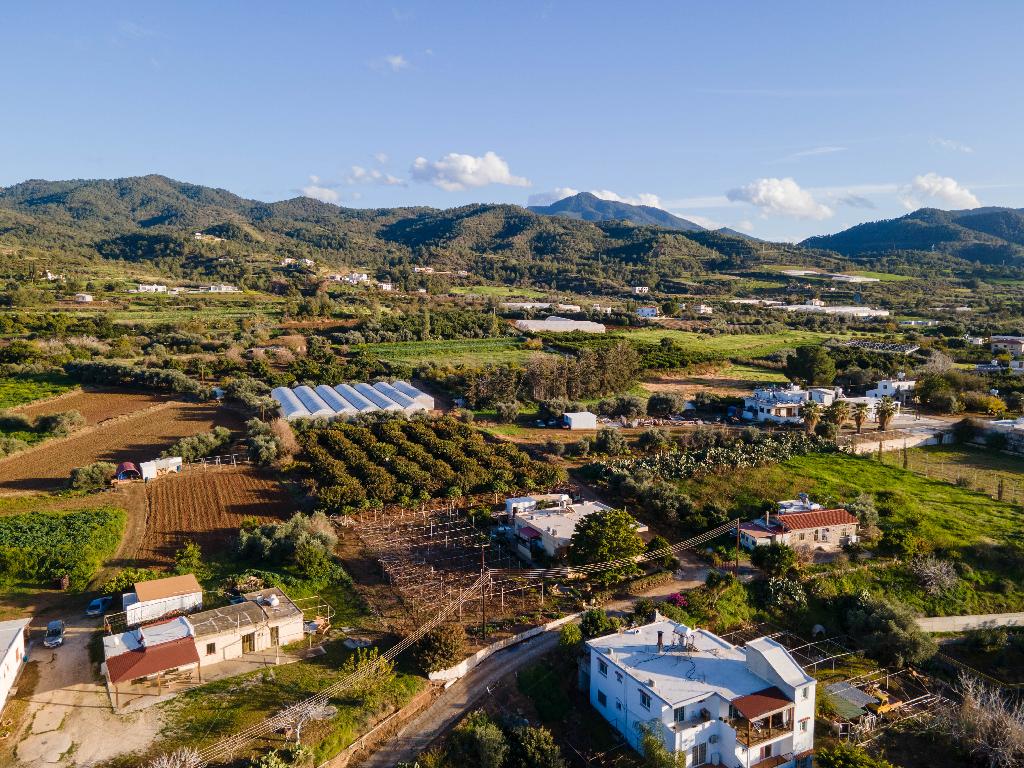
column 160, row 467
column 581, row 420
column 83, row 298
column 155, row 599
column 126, row 470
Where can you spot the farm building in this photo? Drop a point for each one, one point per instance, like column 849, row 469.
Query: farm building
column 348, row 400
column 545, row 532
column 155, row 599
column 580, row 420
column 702, row 696
column 83, row 298
column 555, row 324
column 12, row 655
column 128, row 471
column 169, row 652
column 160, row 467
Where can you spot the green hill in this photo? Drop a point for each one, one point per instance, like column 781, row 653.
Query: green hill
column 588, row 207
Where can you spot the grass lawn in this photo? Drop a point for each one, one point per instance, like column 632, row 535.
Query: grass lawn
column 976, row 468
column 24, row 388
column 731, row 345
column 466, row 351
column 966, row 526
column 742, row 372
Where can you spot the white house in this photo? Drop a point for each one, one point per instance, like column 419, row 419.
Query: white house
column 83, row 298
column 898, row 389
column 782, row 404
column 641, row 290
column 704, row 309
column 1012, row 344
column 12, row 655
column 152, row 288
column 265, row 619
column 580, row 420
column 842, row 310
column 152, row 600
column 717, row 703
column 647, row 312
column 384, row 286
column 546, row 531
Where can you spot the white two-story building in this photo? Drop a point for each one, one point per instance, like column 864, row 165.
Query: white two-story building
column 898, row 389
column 719, row 704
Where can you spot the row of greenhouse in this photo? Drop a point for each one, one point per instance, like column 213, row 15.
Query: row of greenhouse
column 346, row 401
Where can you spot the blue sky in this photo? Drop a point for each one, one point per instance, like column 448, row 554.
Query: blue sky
column 784, row 119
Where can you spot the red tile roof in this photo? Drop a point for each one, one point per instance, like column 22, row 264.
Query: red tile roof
column 149, row 661
column 819, row 518
column 761, row 703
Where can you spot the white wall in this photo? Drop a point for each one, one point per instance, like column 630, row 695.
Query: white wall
column 229, row 644
column 137, row 613
column 9, row 667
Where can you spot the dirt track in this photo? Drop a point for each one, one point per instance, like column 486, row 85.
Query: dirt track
column 136, row 436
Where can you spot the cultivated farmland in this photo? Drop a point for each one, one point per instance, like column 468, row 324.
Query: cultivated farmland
column 94, row 405
column 204, row 506
column 135, row 437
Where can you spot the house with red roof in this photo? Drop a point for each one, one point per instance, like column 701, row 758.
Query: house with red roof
column 802, row 526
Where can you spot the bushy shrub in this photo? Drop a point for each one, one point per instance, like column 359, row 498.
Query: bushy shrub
column 125, row 579
column 507, row 412
column 93, row 476
column 60, row 424
column 195, row 447
column 887, row 632
column 597, row 622
column 441, row 648
column 264, row 445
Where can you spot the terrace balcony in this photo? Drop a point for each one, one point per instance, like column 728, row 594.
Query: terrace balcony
column 753, row 732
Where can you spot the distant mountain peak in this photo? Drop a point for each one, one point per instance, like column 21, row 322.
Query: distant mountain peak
column 587, row 206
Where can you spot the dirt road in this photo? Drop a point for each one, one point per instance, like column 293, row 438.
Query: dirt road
column 70, row 721
column 441, row 715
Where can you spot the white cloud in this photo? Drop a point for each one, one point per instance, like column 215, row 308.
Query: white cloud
column 547, row 198
column 359, row 175
column 381, row 157
column 456, row 171
column 951, row 145
column 704, row 221
column 812, row 152
column 318, row 191
column 560, row 193
column 745, row 226
column 396, row 62
column 932, row 188
column 782, row 197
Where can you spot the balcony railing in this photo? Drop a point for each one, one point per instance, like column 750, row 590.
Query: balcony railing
column 750, row 733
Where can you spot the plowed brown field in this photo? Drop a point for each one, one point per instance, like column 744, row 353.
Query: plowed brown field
column 204, row 506
column 138, row 436
column 94, row 405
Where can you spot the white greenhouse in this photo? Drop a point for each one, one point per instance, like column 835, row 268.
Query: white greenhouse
column 341, row 406
column 346, row 401
column 291, row 408
column 409, row 390
column 360, row 403
column 314, row 403
column 375, row 397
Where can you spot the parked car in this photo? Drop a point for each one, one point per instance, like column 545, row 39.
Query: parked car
column 54, row 634
column 99, row 606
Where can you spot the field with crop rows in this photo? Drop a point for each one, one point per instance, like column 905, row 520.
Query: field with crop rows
column 467, row 351
column 204, row 506
column 138, row 436
column 95, row 405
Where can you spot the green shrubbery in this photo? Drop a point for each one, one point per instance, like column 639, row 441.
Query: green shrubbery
column 93, row 476
column 195, row 447
column 305, row 542
column 119, row 374
column 42, row 547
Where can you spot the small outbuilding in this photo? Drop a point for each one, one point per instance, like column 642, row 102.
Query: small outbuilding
column 580, row 420
column 126, row 470
column 160, row 467
column 155, row 599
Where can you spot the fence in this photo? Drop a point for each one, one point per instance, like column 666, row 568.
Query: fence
column 997, row 484
column 212, row 462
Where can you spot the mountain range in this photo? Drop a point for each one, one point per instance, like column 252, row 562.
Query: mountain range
column 581, row 242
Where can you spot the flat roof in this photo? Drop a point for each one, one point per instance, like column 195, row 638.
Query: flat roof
column 715, row 666
column 559, row 522
column 255, row 610
column 11, row 630
column 172, row 586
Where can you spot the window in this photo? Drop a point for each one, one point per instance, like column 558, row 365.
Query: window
column 602, row 699
column 803, row 536
column 699, row 754
column 602, row 667
column 806, row 693
column 645, row 700
column 211, row 648
column 766, row 751
column 618, row 676
column 680, row 714
column 803, row 726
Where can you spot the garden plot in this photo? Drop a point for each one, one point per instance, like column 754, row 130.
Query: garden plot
column 95, row 405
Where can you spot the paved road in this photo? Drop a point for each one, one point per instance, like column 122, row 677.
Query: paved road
column 446, row 710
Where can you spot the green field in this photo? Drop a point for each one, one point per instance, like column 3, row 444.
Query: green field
column 499, row 291
column 731, row 345
column 755, row 373
column 27, row 387
column 963, row 525
column 458, row 351
column 885, row 277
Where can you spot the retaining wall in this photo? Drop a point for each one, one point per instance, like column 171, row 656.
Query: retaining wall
column 969, row 622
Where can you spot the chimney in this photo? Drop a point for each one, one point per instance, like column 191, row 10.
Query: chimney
column 661, row 641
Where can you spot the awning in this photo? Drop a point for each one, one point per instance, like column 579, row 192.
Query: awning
column 528, row 533
column 762, row 703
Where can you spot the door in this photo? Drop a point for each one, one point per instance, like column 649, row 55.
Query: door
column 275, row 636
column 249, row 642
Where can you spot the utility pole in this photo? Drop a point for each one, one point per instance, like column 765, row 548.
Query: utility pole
column 483, row 593
column 736, row 569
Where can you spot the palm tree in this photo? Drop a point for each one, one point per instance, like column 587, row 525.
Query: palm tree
column 839, row 412
column 885, row 411
column 811, row 412
column 860, row 415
